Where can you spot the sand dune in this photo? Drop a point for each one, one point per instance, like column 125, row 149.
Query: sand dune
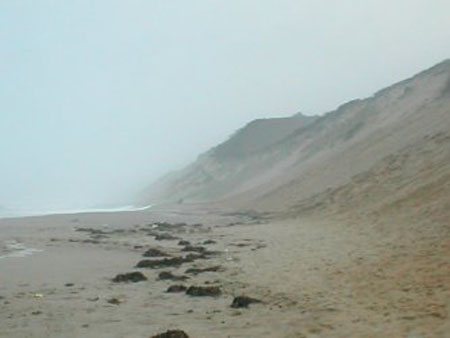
column 323, row 154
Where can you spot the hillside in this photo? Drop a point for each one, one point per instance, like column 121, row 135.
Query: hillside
column 283, row 165
column 259, row 135
column 216, row 172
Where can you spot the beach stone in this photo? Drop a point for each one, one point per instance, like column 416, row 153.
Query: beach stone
column 172, row 334
column 198, row 249
column 152, row 252
column 133, row 277
column 209, row 241
column 167, row 275
column 167, row 237
column 196, row 271
column 92, row 231
column 202, row 291
column 240, row 245
column 203, row 255
column 183, row 242
column 243, row 301
column 192, row 257
column 91, row 241
column 176, row 288
column 114, row 301
column 162, row 263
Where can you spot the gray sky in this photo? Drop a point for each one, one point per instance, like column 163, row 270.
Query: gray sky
column 98, row 98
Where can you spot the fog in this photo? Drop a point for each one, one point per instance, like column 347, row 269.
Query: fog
column 99, row 98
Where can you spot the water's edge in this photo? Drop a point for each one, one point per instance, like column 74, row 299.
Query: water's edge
column 30, row 213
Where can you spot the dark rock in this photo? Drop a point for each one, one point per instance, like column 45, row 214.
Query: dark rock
column 243, row 301
column 171, row 334
column 92, row 231
column 154, row 253
column 240, row 245
column 259, row 246
column 35, row 313
column 176, row 288
column 196, row 271
column 133, row 277
column 167, row 237
column 209, row 241
column 212, row 282
column 149, row 231
column 69, row 285
column 114, row 301
column 202, row 291
column 199, row 249
column 91, row 241
column 203, row 255
column 162, row 263
column 118, row 231
column 183, row 242
column 193, row 257
column 166, row 275
column 164, row 226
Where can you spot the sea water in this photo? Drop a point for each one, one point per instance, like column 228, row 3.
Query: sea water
column 25, row 212
column 12, row 248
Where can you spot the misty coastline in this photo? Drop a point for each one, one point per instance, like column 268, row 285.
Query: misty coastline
column 31, row 212
column 239, row 169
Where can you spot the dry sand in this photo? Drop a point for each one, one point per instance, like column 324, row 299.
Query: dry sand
column 315, row 277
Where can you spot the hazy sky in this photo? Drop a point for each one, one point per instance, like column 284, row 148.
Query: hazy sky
column 98, row 98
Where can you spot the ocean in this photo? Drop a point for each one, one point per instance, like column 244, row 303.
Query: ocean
column 25, row 212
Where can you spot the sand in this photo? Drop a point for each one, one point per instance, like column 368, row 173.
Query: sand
column 316, row 277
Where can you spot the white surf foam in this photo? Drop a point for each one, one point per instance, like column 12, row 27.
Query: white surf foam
column 32, row 212
column 12, row 248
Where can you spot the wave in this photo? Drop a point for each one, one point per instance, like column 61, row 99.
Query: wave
column 12, row 248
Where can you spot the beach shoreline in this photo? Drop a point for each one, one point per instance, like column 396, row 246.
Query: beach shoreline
column 314, row 277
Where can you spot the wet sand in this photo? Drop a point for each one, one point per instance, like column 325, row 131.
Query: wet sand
column 314, row 277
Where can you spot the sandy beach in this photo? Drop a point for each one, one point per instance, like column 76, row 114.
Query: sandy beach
column 313, row 277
